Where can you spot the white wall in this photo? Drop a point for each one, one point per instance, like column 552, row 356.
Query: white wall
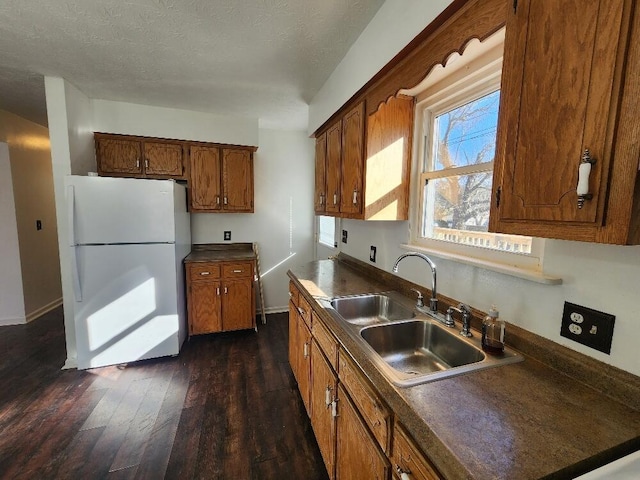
column 283, row 220
column 395, row 24
column 11, row 294
column 70, row 130
column 32, row 190
column 145, row 120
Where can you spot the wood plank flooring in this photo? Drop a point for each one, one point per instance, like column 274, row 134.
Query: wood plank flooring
column 226, row 408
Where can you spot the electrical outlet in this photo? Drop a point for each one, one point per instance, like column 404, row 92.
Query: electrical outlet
column 588, row 327
column 227, row 235
column 372, row 254
column 344, row 236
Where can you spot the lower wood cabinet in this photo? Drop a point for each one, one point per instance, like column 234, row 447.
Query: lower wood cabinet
column 220, row 296
column 324, row 384
column 352, row 424
column 358, row 455
column 406, row 458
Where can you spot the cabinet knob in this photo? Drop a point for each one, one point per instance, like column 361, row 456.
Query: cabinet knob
column 137, row 163
column 226, row 290
column 335, row 198
column 217, row 199
column 355, row 197
column 584, row 171
column 146, row 163
column 218, row 291
column 225, row 200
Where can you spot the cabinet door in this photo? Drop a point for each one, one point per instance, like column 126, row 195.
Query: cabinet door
column 352, row 160
column 559, row 81
column 323, row 392
column 237, row 302
column 163, row 159
column 205, row 178
column 118, row 157
column 237, row 180
column 304, row 363
column 334, row 164
column 357, row 453
column 321, row 174
column 204, row 307
column 293, row 339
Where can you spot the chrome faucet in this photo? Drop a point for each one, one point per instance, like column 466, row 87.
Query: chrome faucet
column 433, row 301
column 466, row 319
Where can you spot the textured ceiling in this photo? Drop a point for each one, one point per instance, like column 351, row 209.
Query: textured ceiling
column 263, row 59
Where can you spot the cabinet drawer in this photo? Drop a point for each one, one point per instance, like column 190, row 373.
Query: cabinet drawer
column 305, row 310
column 203, row 271
column 326, row 341
column 293, row 293
column 237, row 269
column 407, row 458
column 375, row 413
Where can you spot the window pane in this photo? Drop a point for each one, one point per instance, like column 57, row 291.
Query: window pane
column 327, row 231
column 457, row 210
column 466, row 135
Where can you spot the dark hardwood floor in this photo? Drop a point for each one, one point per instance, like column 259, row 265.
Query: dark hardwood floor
column 227, row 407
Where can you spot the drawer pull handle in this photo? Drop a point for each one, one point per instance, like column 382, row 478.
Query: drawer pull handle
column 226, row 290
column 404, row 474
column 237, row 271
column 305, row 350
column 327, row 397
column 146, row 163
column 218, row 291
column 205, row 273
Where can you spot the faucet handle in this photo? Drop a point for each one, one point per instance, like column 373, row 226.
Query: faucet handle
column 420, row 302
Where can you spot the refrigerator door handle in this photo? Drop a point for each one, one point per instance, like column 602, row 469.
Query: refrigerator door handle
column 77, row 290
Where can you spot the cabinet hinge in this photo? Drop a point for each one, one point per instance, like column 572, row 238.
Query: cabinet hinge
column 498, row 195
column 515, row 6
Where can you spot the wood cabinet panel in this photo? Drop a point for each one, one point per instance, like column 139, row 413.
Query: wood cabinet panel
column 237, row 180
column 163, row 159
column 117, row 156
column 358, row 455
column 325, row 341
column 305, row 311
column 205, row 181
column 334, row 165
column 388, row 160
column 376, row 415
column 237, row 305
column 293, row 339
column 204, row 307
column 203, row 271
column 352, row 160
column 320, row 196
column 323, row 391
column 587, row 77
column 237, row 269
column 293, row 293
column 407, row 458
column 304, row 363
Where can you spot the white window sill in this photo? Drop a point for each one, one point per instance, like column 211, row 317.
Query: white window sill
column 526, row 274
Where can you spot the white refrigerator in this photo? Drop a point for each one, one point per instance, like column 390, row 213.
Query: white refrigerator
column 127, row 240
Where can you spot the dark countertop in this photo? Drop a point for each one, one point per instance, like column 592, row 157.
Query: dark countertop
column 218, row 252
column 520, row 421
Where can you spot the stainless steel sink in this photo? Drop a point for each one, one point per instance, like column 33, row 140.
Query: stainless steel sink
column 369, row 309
column 419, row 347
column 407, row 346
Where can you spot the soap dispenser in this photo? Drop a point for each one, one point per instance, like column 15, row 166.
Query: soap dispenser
column 493, row 333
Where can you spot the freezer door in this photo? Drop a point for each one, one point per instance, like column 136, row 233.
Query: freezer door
column 130, row 308
column 108, row 210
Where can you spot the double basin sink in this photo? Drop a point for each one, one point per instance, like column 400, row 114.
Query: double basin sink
column 408, row 346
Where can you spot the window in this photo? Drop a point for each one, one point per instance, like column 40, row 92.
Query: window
column 327, row 231
column 456, row 118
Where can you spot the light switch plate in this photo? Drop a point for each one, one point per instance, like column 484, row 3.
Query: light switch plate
column 227, row 235
column 372, row 254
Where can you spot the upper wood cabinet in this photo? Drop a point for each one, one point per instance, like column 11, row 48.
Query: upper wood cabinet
column 369, row 183
column 127, row 156
column 221, row 179
column 570, row 90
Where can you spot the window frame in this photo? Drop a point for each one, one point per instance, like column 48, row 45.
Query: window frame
column 471, row 78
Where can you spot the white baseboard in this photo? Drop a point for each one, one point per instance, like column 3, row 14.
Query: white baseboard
column 70, row 364
column 45, row 309
column 269, row 310
column 12, row 321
